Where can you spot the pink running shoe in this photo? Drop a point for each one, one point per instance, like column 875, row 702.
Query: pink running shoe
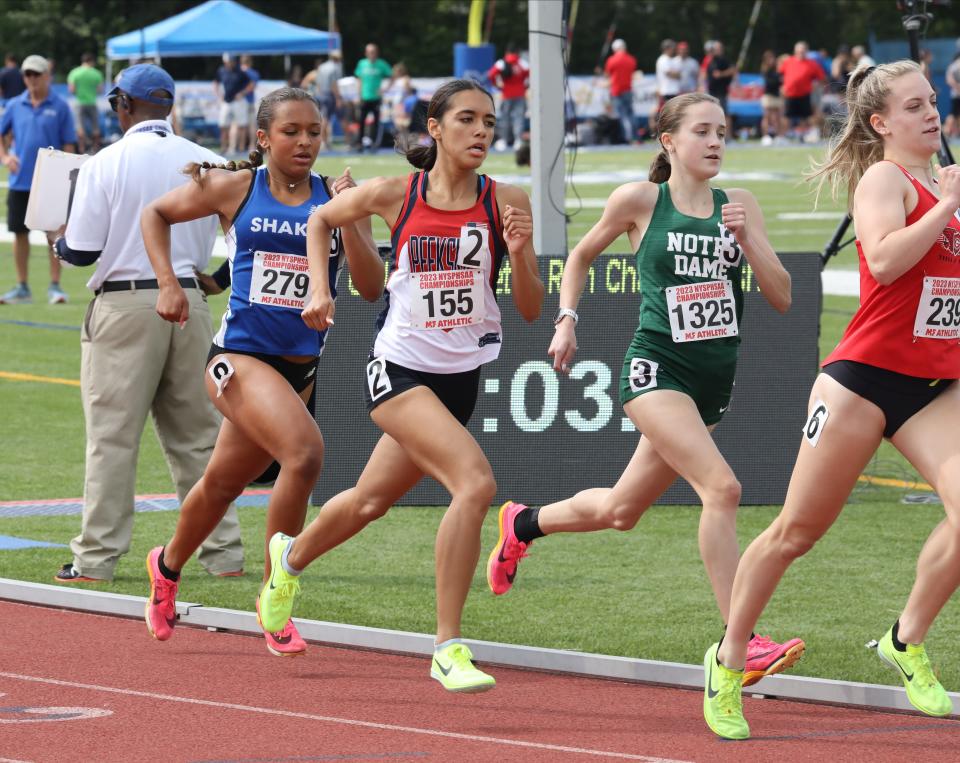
column 506, row 555
column 161, row 610
column 285, row 643
column 766, row 657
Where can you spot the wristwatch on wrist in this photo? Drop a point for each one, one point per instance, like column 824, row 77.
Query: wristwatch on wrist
column 562, row 313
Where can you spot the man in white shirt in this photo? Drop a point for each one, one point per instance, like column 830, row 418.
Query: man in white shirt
column 132, row 361
column 668, row 71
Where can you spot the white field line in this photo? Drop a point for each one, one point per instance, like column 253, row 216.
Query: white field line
column 332, row 719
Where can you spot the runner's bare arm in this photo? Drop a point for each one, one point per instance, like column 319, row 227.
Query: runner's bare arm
column 880, row 207
column 744, row 218
column 628, row 210
column 526, row 285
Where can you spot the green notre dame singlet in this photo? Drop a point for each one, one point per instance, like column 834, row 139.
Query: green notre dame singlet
column 691, row 307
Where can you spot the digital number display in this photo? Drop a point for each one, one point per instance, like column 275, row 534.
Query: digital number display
column 547, row 435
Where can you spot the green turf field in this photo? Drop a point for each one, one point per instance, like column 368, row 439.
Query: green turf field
column 641, row 594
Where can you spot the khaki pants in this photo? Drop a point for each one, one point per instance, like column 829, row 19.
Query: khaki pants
column 134, row 362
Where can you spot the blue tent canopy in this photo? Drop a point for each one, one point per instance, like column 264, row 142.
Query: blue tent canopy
column 217, row 27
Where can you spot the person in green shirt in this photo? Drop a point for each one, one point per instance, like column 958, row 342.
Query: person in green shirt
column 85, row 82
column 371, row 71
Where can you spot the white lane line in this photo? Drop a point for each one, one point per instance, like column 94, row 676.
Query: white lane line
column 331, row 719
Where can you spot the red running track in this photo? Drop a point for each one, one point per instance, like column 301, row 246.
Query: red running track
column 206, row 696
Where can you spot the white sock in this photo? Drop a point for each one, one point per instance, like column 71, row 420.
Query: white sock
column 445, row 644
column 284, row 561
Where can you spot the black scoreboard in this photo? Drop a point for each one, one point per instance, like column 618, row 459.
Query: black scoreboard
column 548, row 436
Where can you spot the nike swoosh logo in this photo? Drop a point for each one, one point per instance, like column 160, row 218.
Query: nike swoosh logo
column 711, row 692
column 171, row 621
column 282, row 639
column 724, row 409
column 509, row 575
column 765, row 654
column 908, row 676
column 445, row 671
column 272, row 573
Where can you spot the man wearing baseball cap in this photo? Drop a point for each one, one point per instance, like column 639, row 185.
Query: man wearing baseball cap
column 132, row 362
column 35, row 119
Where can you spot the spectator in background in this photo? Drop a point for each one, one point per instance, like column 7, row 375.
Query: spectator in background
column 689, row 68
column 322, row 83
column 35, row 119
column 708, row 47
column 926, row 62
column 295, row 76
column 230, row 86
column 246, row 65
column 619, row 69
column 11, row 78
column 771, row 100
column 667, row 72
column 372, row 71
column 123, row 331
column 511, row 76
column 860, row 58
column 401, row 111
column 720, row 74
column 86, row 83
column 801, row 75
column 951, row 128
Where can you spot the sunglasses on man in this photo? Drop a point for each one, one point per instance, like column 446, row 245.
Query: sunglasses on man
column 117, row 99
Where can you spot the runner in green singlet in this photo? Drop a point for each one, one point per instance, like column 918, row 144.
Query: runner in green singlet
column 691, row 242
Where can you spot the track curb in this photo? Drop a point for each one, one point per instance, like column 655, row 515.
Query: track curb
column 673, row 674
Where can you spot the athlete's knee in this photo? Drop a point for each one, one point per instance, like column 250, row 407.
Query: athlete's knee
column 220, row 488
column 792, row 541
column 620, row 515
column 305, row 463
column 723, row 494
column 370, row 508
column 479, row 492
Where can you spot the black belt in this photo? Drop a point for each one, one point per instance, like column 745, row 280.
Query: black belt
column 146, row 283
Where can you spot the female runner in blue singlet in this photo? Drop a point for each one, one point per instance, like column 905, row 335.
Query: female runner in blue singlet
column 263, row 361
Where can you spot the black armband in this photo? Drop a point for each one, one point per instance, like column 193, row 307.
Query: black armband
column 78, row 257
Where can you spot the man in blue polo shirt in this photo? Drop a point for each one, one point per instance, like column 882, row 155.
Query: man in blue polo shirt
column 35, row 119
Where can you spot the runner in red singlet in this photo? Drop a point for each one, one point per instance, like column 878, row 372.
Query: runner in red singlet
column 892, row 376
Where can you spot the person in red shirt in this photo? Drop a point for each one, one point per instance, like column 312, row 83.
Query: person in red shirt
column 800, row 75
column 893, row 376
column 619, row 69
column 511, row 75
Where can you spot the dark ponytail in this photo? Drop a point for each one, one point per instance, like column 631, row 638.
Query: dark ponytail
column 265, row 115
column 671, row 115
column 424, row 157
column 195, row 169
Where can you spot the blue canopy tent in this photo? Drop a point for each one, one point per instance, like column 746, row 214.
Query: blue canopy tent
column 217, row 27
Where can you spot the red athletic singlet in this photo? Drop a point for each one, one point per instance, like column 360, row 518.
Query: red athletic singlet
column 911, row 326
column 442, row 314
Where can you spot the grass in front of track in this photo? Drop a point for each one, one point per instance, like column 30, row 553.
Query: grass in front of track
column 641, row 594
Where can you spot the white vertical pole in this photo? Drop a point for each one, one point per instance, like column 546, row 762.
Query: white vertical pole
column 547, row 160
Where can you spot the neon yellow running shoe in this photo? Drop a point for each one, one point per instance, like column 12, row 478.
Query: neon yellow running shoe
column 722, row 703
column 278, row 593
column 923, row 689
column 451, row 666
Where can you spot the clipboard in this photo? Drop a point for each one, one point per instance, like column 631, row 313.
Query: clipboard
column 51, row 191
